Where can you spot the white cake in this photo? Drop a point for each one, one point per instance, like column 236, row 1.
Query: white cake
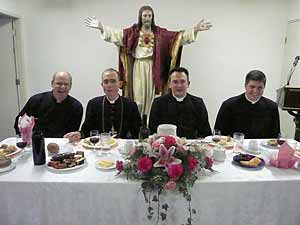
column 166, row 129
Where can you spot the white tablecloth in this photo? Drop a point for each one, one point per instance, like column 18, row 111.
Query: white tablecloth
column 33, row 195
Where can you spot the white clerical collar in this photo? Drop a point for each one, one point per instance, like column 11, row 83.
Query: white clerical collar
column 252, row 102
column 179, row 99
column 112, row 101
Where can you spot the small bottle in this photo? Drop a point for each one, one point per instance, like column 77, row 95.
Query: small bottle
column 38, row 148
column 144, row 130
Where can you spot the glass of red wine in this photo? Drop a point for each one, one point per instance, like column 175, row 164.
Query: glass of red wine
column 21, row 144
column 94, row 138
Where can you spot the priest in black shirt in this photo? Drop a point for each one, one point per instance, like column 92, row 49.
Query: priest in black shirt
column 186, row 111
column 250, row 112
column 110, row 112
column 56, row 112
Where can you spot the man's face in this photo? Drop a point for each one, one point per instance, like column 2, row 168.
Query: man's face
column 61, row 86
column 147, row 18
column 254, row 89
column 179, row 84
column 110, row 83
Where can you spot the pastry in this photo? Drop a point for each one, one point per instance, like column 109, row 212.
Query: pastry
column 53, row 148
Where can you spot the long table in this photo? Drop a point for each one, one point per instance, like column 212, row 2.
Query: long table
column 35, row 195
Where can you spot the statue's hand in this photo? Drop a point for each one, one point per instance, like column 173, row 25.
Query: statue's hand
column 202, row 25
column 93, row 22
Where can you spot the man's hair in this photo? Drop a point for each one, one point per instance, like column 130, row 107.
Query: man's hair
column 255, row 75
column 141, row 10
column 56, row 73
column 111, row 70
column 180, row 70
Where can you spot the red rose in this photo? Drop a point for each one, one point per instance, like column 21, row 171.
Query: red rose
column 171, row 185
column 192, row 163
column 209, row 162
column 144, row 164
column 119, row 165
column 174, row 171
column 169, row 141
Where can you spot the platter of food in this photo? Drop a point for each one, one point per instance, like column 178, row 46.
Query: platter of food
column 248, row 161
column 6, row 164
column 9, row 151
column 67, row 161
column 88, row 144
column 223, row 141
column 272, row 143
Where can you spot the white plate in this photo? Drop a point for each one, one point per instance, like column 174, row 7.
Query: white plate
column 110, row 158
column 209, row 140
column 8, row 168
column 98, row 145
column 66, row 169
column 265, row 144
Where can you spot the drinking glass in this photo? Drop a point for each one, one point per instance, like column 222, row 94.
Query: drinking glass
column 238, row 139
column 94, row 138
column 21, row 144
column 216, row 137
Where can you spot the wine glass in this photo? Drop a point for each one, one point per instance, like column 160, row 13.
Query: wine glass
column 94, row 138
column 216, row 136
column 21, row 144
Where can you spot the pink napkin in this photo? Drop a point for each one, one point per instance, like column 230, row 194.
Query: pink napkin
column 26, row 124
column 286, row 158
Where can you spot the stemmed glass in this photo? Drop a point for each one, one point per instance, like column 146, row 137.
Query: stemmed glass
column 94, row 138
column 216, row 136
column 21, row 144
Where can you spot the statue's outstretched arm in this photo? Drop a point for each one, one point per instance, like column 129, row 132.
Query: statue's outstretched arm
column 202, row 26
column 93, row 22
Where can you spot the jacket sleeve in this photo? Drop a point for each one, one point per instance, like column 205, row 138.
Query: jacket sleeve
column 90, row 120
column 204, row 127
column 135, row 123
column 223, row 121
column 154, row 116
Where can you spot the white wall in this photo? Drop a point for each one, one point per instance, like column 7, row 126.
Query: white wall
column 247, row 34
column 293, row 9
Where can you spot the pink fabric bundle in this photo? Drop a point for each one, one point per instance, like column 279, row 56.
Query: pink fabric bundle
column 286, row 158
column 26, row 124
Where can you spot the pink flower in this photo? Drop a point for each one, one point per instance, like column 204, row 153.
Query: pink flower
column 156, row 144
column 144, row 164
column 174, row 171
column 119, row 165
column 209, row 162
column 171, row 185
column 192, row 163
column 180, row 148
column 169, row 141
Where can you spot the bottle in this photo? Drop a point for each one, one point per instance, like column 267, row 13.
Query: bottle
column 38, row 148
column 144, row 130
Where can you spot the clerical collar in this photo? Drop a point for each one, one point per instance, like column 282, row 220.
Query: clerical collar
column 112, row 101
column 179, row 99
column 252, row 102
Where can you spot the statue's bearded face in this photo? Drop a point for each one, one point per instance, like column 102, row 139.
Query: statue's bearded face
column 147, row 18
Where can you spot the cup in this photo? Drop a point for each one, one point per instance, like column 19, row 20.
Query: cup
column 219, row 154
column 128, row 147
column 253, row 147
column 238, row 139
column 105, row 140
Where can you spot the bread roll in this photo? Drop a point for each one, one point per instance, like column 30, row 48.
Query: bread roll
column 53, row 148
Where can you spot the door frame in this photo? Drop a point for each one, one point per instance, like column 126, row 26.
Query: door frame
column 20, row 75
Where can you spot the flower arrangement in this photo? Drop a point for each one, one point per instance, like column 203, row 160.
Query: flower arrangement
column 164, row 164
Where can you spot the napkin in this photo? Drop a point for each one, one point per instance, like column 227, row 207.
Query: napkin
column 26, row 124
column 285, row 158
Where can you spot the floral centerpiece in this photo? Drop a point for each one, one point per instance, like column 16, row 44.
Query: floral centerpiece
column 163, row 163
